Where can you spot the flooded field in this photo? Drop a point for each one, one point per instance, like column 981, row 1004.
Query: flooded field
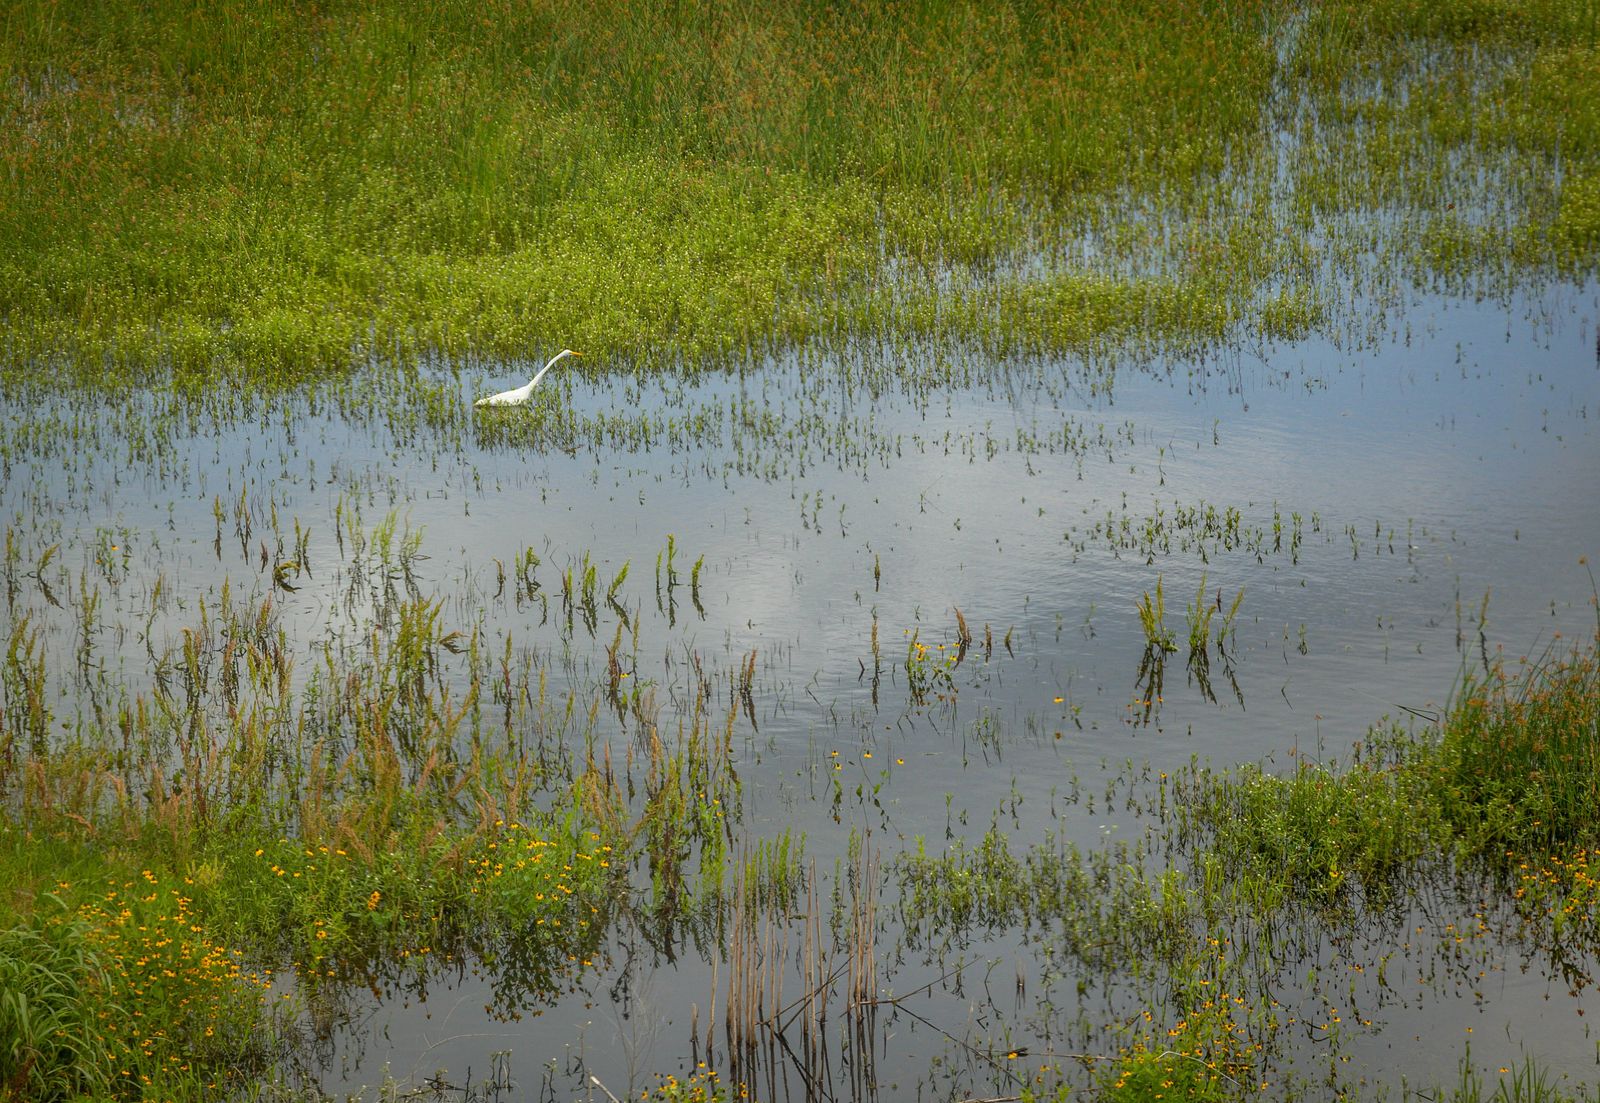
column 906, row 632
column 1126, row 631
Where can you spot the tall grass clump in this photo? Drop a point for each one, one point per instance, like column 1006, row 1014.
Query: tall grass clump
column 1307, row 837
column 1519, row 757
column 1523, row 1081
column 1512, row 773
column 50, row 977
column 1152, row 611
column 125, row 996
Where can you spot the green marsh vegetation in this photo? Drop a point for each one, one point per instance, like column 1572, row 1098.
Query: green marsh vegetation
column 371, row 822
column 323, row 756
column 215, row 193
column 1196, row 930
column 218, row 194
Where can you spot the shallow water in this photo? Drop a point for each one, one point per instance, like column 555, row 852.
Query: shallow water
column 1444, row 473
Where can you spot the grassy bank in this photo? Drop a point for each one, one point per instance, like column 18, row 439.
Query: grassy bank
column 220, row 192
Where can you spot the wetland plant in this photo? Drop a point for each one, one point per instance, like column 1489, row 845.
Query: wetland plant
column 930, row 671
column 1153, row 619
column 1198, row 617
column 124, row 995
column 1519, row 754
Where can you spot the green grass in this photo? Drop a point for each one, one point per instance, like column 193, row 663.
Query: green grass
column 51, row 979
column 1523, row 1081
column 1274, row 840
column 1518, row 766
column 1209, row 917
column 113, row 986
column 220, row 191
column 1507, row 782
column 226, row 194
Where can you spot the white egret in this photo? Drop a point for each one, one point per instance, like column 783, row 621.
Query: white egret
column 518, row 395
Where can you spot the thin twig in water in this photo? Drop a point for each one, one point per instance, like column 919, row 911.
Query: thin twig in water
column 894, row 1001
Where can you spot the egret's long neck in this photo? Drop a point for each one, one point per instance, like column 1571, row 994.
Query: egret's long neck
column 550, row 364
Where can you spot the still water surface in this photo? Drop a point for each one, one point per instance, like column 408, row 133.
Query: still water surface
column 1398, row 514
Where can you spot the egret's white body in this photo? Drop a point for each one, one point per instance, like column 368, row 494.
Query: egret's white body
column 518, row 395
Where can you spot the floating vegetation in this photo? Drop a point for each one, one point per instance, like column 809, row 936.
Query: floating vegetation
column 1202, row 529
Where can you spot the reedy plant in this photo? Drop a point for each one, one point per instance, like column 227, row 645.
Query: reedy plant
column 50, row 978
column 1519, row 754
column 1153, row 619
column 1198, row 617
